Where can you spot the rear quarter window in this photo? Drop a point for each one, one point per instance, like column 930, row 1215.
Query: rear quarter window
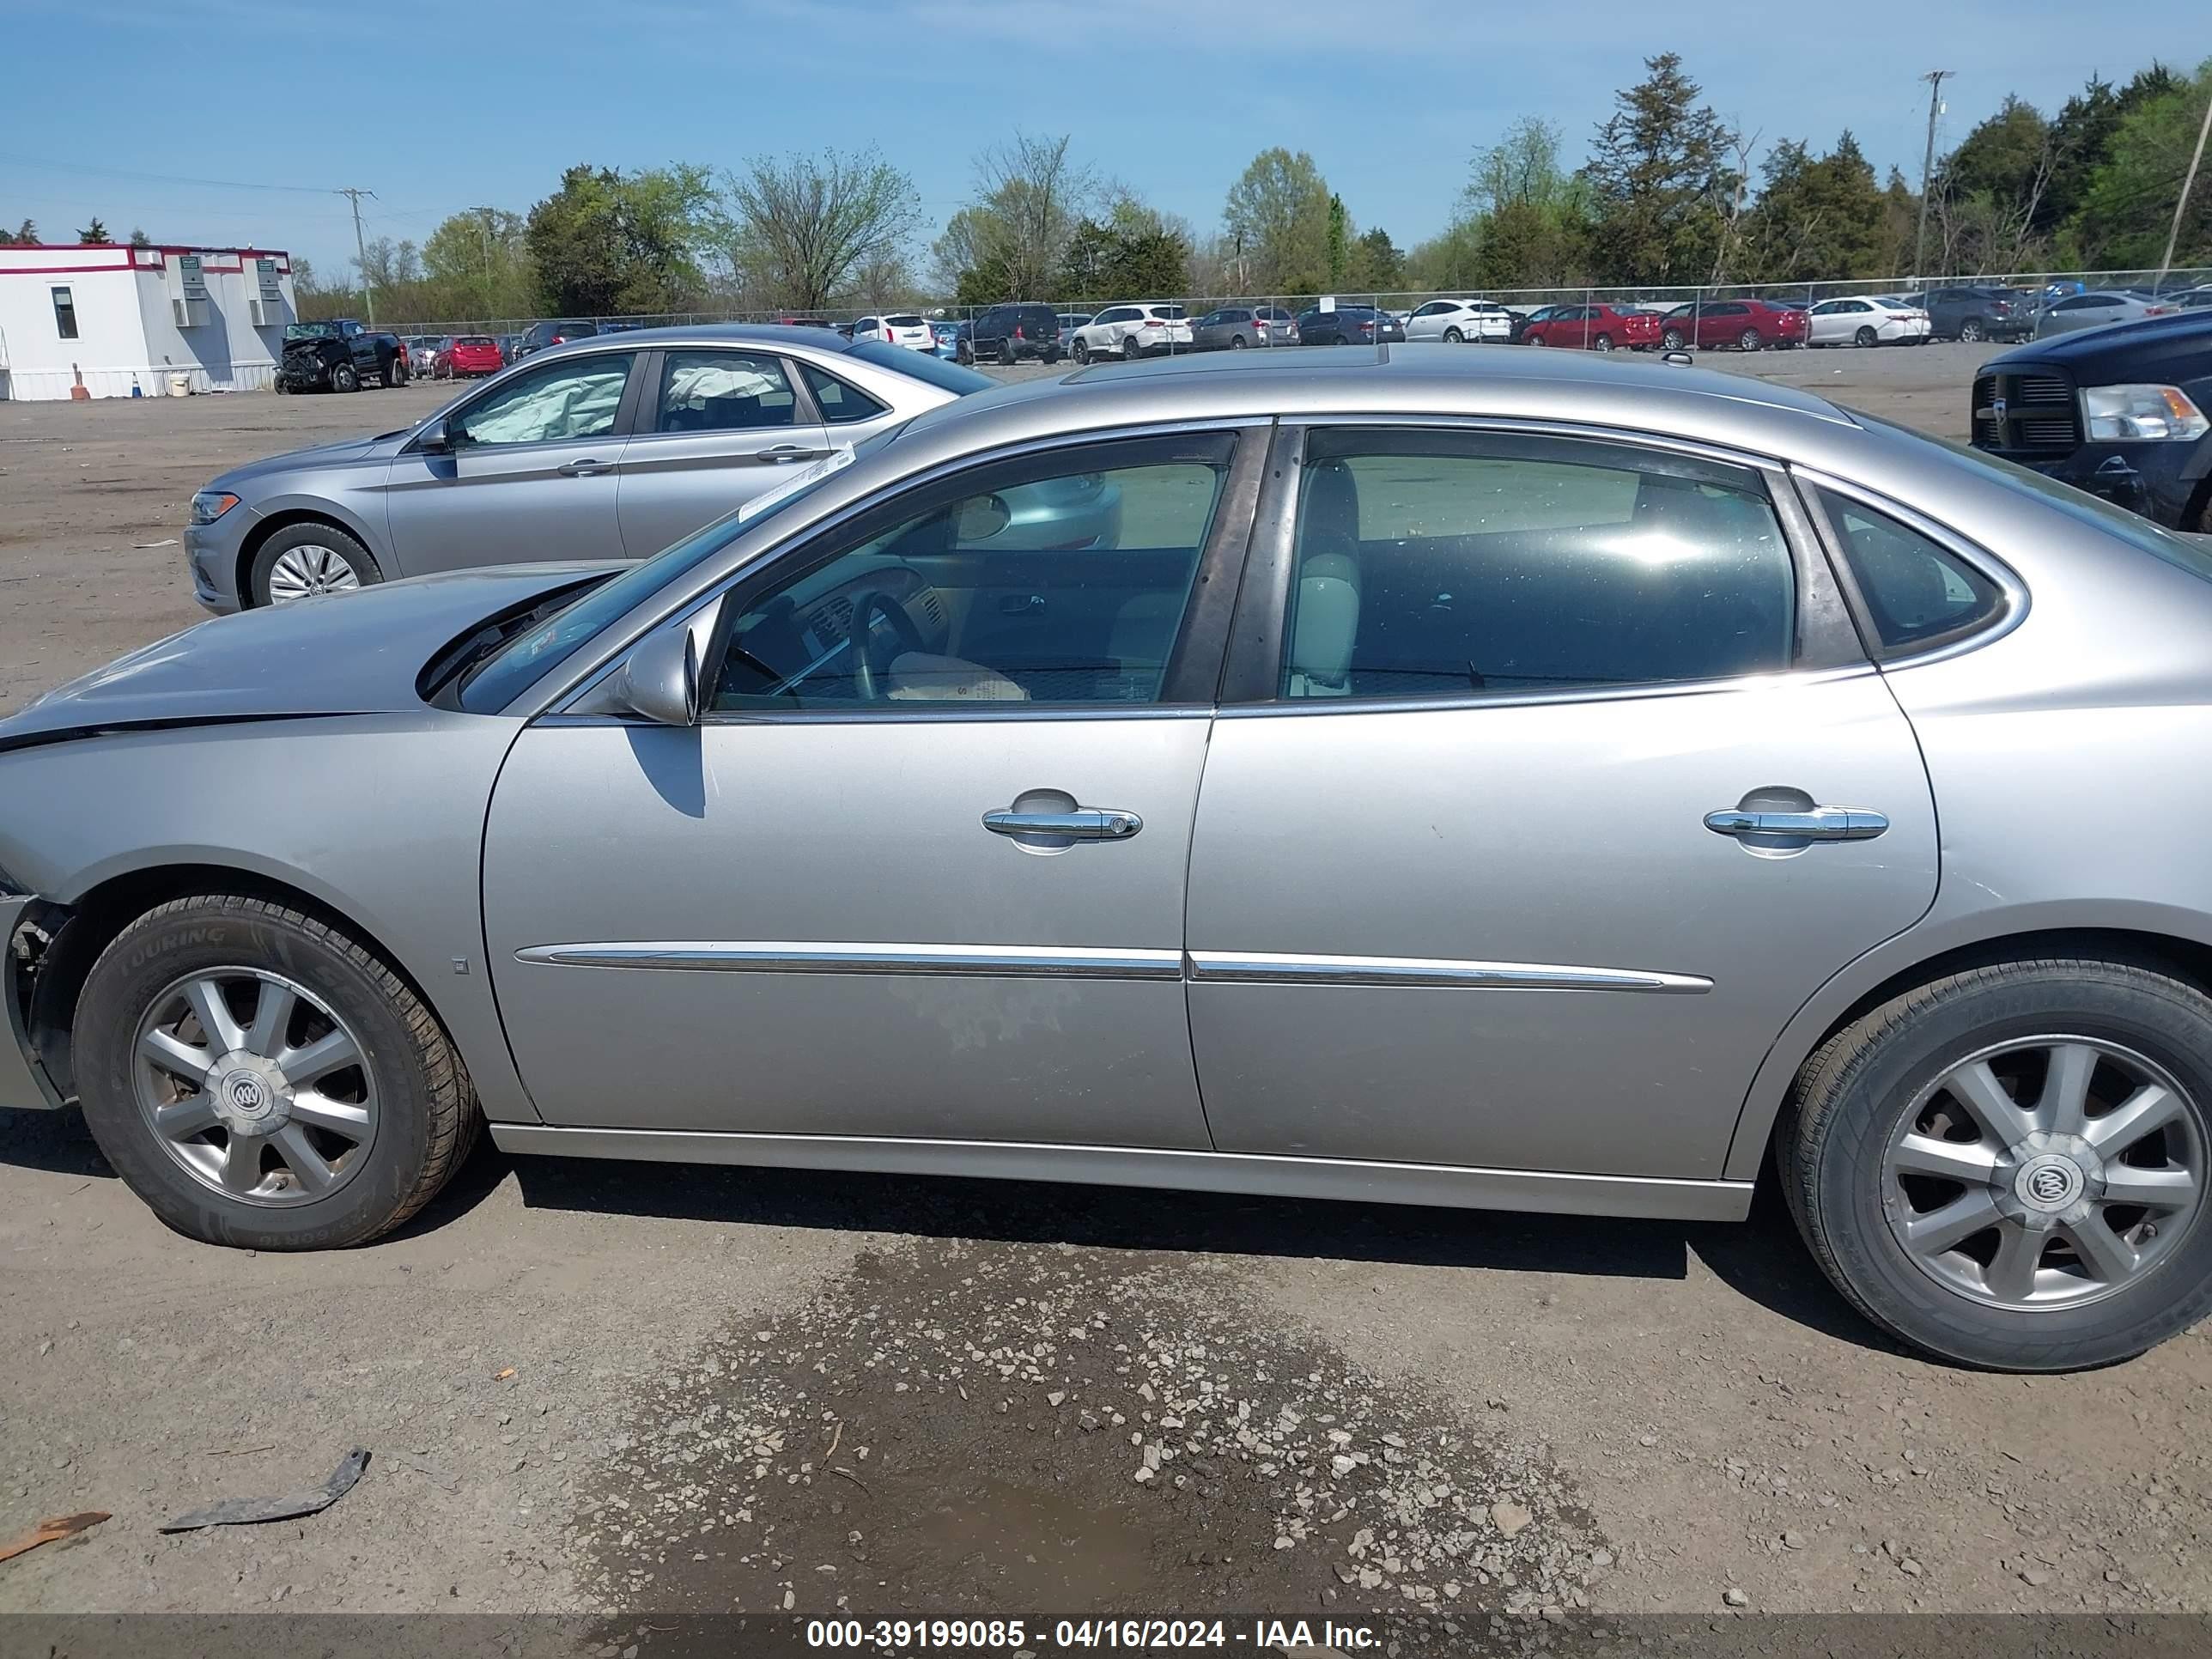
column 1917, row 593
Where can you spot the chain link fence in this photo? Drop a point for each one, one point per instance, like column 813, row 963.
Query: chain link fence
column 2036, row 288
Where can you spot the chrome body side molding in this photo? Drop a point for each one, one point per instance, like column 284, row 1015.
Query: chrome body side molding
column 1265, row 968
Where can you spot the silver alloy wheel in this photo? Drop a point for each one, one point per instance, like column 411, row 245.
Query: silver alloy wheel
column 275, row 1108
column 302, row 572
column 2046, row 1172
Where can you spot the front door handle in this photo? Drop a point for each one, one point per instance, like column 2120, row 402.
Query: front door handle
column 1820, row 824
column 790, row 452
column 583, row 469
column 1084, row 823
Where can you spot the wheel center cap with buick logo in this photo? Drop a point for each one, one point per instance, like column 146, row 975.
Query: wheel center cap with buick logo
column 250, row 1095
column 2050, row 1184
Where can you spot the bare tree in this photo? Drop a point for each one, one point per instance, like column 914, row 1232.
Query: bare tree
column 800, row 228
column 1732, row 208
column 1030, row 193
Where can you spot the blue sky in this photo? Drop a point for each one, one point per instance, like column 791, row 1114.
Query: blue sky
column 478, row 103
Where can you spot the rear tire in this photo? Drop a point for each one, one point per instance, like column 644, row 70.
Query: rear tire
column 1885, row 1075
column 1865, row 337
column 1236, row 343
column 1750, row 340
column 1453, row 337
column 1006, row 357
column 1973, row 331
column 1130, row 349
column 419, row 1112
column 1603, row 343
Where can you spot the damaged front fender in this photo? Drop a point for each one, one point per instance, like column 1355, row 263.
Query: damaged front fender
column 28, row 928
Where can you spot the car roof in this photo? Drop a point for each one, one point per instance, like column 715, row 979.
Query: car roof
column 782, row 336
column 1419, row 381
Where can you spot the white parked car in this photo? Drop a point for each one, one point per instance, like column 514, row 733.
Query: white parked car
column 903, row 329
column 1865, row 320
column 1455, row 320
column 1131, row 332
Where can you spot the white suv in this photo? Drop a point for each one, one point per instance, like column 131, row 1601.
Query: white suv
column 1134, row 331
column 1455, row 320
column 903, row 329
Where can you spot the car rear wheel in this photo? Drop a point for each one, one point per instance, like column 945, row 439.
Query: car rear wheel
column 1865, row 337
column 344, row 378
column 1750, row 340
column 1130, row 349
column 2008, row 1166
column 263, row 1080
column 1603, row 343
column 1236, row 343
column 1673, row 340
column 1973, row 329
column 304, row 560
column 1453, row 337
column 1006, row 352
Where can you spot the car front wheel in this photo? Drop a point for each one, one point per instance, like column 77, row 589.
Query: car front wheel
column 265, row 1081
column 1080, row 351
column 2007, row 1166
column 344, row 378
column 304, row 560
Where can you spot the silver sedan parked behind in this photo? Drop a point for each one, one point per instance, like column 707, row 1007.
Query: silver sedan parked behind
column 2080, row 311
column 1513, row 790
column 613, row 446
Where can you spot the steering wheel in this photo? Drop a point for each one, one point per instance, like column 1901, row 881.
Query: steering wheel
column 869, row 657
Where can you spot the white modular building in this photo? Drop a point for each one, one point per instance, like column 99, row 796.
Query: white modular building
column 121, row 321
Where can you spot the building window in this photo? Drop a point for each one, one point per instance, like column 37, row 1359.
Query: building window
column 65, row 313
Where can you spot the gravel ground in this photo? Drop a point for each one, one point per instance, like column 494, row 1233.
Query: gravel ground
column 591, row 1387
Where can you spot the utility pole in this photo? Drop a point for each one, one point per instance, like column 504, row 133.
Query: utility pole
column 483, row 220
column 360, row 247
column 2181, row 206
column 1934, row 78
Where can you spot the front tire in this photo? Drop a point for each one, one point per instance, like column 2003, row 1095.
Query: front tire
column 2007, row 1166
column 1080, row 351
column 265, row 1081
column 344, row 377
column 1672, row 340
column 303, row 560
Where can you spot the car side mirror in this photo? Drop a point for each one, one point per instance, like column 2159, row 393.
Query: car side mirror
column 660, row 678
column 437, row 438
column 980, row 517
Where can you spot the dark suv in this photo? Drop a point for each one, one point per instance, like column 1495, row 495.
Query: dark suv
column 1977, row 313
column 1010, row 332
column 2123, row 411
column 539, row 335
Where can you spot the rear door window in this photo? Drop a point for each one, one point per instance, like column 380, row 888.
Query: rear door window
column 1433, row 564
column 703, row 391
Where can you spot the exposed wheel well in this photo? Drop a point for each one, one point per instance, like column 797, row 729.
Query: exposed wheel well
column 261, row 533
column 2197, row 516
column 85, row 929
column 2185, row 960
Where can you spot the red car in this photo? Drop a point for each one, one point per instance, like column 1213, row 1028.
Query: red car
column 470, row 355
column 1594, row 328
column 1747, row 324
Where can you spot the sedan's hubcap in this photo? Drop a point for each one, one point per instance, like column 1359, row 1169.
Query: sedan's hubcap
column 254, row 1087
column 302, row 572
column 2046, row 1172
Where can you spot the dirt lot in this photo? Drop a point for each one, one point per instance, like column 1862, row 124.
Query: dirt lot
column 598, row 1386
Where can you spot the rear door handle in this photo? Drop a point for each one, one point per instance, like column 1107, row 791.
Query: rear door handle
column 583, row 469
column 1820, row 824
column 1084, row 823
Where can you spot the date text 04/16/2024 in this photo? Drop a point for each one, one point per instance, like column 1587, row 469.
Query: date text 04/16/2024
column 1015, row 1635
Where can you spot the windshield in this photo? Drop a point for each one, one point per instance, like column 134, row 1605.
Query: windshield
column 494, row 682
column 310, row 331
column 2181, row 552
column 920, row 366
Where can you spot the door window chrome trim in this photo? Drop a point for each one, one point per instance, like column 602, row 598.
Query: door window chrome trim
column 977, row 713
column 1476, row 702
column 811, row 956
column 1248, row 967
column 2011, row 613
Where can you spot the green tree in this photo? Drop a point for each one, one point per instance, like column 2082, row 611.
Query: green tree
column 477, row 264
column 1817, row 217
column 140, row 239
column 1659, row 180
column 609, row 242
column 1135, row 253
column 1375, row 264
column 95, row 235
column 1277, row 219
column 27, row 236
column 1446, row 260
column 801, row 229
column 2127, row 208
